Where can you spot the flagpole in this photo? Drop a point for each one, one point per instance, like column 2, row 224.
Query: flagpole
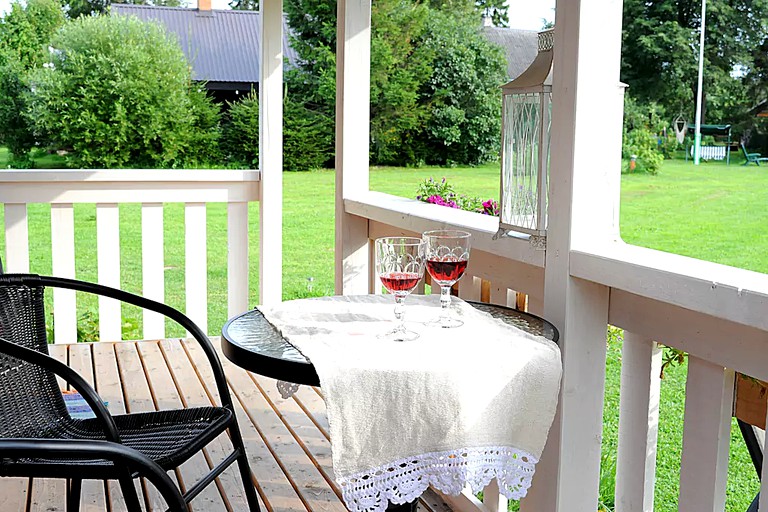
column 697, row 137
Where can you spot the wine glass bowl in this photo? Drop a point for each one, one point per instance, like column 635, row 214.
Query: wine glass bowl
column 400, row 266
column 447, row 254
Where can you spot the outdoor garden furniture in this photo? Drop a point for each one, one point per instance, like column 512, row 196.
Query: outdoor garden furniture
column 40, row 438
column 749, row 158
column 371, row 429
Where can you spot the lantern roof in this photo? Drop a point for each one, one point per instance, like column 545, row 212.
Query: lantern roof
column 539, row 73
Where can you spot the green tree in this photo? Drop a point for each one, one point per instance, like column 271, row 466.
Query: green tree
column 497, row 10
column 118, row 95
column 462, row 93
column 660, row 53
column 417, row 64
column 25, row 33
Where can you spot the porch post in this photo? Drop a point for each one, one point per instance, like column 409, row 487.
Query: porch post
column 271, row 153
column 353, row 84
column 587, row 101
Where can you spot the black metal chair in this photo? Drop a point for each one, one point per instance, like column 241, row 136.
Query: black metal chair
column 39, row 438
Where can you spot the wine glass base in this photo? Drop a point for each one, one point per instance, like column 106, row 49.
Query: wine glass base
column 445, row 323
column 398, row 335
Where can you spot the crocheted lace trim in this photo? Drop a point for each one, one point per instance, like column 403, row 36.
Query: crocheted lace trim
column 448, row 471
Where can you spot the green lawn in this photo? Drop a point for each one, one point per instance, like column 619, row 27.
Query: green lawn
column 714, row 212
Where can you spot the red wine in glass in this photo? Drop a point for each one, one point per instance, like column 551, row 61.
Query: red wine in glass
column 446, row 271
column 400, row 281
column 447, row 253
column 400, row 266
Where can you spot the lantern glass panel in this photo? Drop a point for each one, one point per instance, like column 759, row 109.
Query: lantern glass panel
column 525, row 160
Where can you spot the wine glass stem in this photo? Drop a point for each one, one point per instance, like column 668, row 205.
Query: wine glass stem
column 445, row 301
column 400, row 312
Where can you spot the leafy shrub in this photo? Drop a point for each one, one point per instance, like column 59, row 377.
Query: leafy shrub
column 15, row 131
column 307, row 137
column 117, row 94
column 463, row 93
column 641, row 146
column 204, row 139
column 240, row 134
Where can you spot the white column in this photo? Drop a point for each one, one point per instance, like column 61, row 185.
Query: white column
column 585, row 81
column 353, row 83
column 638, row 423
column 706, row 436
column 271, row 153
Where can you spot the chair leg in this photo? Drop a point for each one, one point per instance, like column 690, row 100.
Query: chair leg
column 245, row 470
column 73, row 496
column 129, row 494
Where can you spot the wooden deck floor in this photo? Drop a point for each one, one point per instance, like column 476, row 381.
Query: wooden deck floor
column 286, row 439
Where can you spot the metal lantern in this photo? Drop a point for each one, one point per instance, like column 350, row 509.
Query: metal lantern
column 526, row 121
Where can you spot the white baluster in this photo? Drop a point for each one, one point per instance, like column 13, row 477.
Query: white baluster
column 706, row 436
column 638, row 424
column 108, row 257
column 153, row 276
column 16, row 239
column 237, row 258
column 195, row 271
column 63, row 256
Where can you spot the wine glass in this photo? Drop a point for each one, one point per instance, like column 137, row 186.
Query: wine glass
column 400, row 265
column 447, row 253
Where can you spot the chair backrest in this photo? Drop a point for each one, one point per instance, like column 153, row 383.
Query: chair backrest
column 31, row 404
column 744, row 150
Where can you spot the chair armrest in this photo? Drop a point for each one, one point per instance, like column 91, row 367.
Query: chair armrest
column 142, row 302
column 72, row 377
column 82, row 449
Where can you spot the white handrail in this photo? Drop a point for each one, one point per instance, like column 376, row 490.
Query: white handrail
column 151, row 188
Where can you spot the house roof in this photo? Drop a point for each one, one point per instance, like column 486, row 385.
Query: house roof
column 221, row 45
column 520, row 47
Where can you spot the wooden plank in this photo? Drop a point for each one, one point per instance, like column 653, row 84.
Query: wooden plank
column 63, row 254
column 751, row 400
column 48, row 495
column 93, row 495
column 311, row 439
column 194, row 394
column 108, row 256
column 138, row 398
column 274, row 486
column 153, row 278
column 109, row 387
column 166, row 396
column 312, row 488
column 310, row 400
column 195, row 265
column 13, row 494
column 60, row 353
column 16, row 238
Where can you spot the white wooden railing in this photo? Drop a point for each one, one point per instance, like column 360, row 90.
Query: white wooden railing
column 713, row 312
column 151, row 188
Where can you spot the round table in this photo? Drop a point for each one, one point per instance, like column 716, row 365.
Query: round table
column 250, row 342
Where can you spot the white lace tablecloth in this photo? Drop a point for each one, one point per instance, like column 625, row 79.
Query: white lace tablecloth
column 454, row 407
